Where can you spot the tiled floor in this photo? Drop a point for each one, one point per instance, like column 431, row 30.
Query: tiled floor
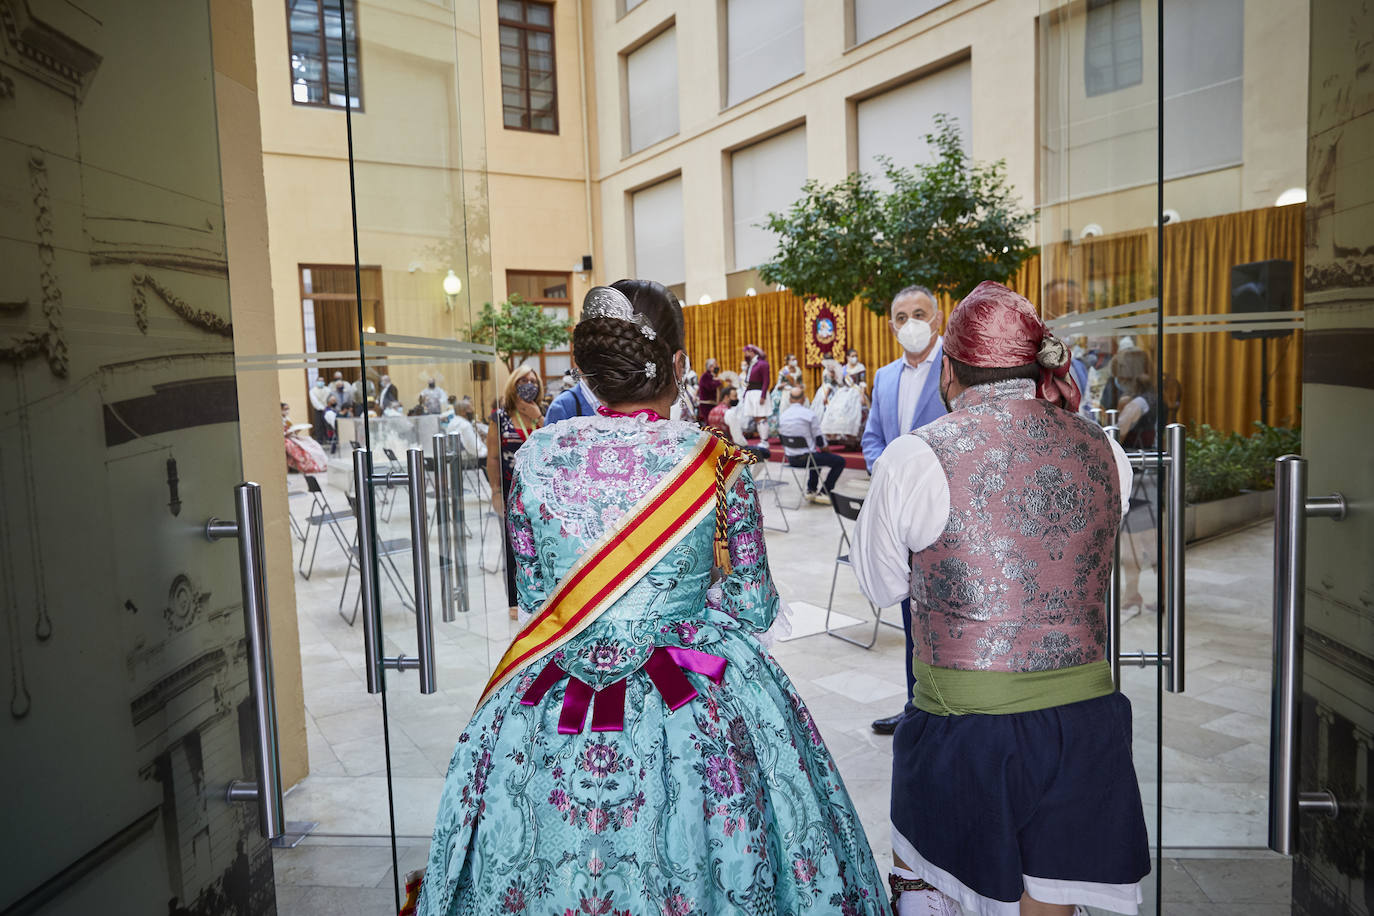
column 1215, row 733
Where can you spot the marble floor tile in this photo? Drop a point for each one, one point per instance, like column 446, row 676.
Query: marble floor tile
column 1231, row 881
column 1214, row 740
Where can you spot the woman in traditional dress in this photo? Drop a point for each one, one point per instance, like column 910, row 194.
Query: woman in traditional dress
column 303, row 453
column 844, row 414
column 789, row 377
column 516, row 416
column 701, row 784
column 830, row 383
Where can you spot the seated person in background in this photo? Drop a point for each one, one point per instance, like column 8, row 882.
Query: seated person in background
column 474, row 446
column 419, row 409
column 799, row 420
column 732, row 417
column 715, row 417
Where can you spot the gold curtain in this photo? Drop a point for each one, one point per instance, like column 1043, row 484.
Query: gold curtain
column 1220, row 376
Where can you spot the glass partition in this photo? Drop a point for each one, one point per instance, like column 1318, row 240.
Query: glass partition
column 1099, row 173
column 417, row 164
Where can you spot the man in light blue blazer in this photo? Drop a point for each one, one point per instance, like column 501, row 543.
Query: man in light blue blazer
column 906, row 395
column 577, row 401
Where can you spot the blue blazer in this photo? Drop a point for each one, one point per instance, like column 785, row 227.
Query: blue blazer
column 571, row 403
column 883, row 422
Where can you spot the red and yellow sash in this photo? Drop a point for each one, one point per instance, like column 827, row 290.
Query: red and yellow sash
column 606, row 571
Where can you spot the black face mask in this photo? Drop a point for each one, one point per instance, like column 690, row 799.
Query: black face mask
column 944, row 398
column 734, row 402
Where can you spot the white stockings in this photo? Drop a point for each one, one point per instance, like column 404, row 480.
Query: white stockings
column 927, row 902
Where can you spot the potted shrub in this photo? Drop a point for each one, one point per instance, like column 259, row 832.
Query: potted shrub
column 1231, row 477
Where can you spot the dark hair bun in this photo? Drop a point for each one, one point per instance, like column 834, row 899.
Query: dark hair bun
column 613, row 354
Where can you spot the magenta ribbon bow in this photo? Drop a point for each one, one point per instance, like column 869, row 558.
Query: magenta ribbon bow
column 666, row 667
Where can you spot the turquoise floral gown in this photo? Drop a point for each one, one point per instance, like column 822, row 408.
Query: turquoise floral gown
column 728, row 804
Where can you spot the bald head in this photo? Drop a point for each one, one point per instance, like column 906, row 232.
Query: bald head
column 797, row 395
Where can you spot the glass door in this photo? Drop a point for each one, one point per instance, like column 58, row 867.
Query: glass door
column 138, row 678
column 1266, row 769
column 1099, row 169
column 432, row 614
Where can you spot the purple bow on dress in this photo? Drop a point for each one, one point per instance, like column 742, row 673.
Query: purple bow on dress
column 666, row 668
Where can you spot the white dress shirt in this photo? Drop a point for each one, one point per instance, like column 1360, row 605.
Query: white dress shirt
column 909, row 388
column 906, row 511
column 799, row 420
column 734, row 422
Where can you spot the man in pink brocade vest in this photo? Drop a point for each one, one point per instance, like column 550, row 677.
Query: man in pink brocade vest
column 1013, row 786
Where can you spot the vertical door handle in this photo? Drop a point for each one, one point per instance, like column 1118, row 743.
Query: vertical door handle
column 367, row 567
column 1174, row 535
column 458, row 535
column 266, row 790
column 1174, row 482
column 442, row 509
column 419, row 552
column 1292, row 509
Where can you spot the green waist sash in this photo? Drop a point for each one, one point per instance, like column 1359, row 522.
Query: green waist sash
column 954, row 692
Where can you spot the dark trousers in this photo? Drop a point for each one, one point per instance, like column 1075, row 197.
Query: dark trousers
column 834, row 464
column 758, row 451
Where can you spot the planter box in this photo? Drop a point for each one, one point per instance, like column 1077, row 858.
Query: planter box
column 1205, row 520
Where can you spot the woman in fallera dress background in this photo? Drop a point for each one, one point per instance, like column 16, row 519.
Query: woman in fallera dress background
column 637, row 750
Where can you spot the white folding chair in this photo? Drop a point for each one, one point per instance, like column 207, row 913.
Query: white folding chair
column 847, row 510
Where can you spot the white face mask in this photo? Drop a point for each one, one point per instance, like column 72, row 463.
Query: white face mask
column 853, row 359
column 914, row 336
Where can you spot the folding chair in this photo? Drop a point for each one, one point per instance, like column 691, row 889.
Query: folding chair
column 847, row 509
column 321, row 515
column 500, row 562
column 296, row 528
column 768, row 481
column 799, row 442
column 386, row 551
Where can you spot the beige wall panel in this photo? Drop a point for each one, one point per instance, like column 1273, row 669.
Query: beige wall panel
column 1003, row 90
column 254, row 307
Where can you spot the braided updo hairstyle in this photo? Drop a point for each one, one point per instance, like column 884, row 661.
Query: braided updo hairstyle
column 612, row 354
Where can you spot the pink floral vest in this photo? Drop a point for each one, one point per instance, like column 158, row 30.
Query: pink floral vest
column 1018, row 579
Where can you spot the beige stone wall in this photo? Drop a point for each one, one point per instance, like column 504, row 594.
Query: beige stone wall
column 1273, row 116
column 250, row 292
column 999, row 36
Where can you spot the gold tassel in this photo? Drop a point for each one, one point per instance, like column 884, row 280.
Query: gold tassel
column 722, row 545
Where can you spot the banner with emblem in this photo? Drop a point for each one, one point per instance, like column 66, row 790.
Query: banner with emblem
column 825, row 332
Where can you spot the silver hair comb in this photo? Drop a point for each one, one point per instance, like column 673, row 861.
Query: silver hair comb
column 609, row 302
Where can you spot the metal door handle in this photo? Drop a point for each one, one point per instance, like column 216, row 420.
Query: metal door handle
column 443, row 510
column 1292, row 509
column 267, row 789
column 419, row 553
column 367, row 567
column 458, row 535
column 1172, row 658
column 1174, row 536
column 423, row 661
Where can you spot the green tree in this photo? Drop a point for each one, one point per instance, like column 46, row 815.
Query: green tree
column 518, row 329
column 948, row 225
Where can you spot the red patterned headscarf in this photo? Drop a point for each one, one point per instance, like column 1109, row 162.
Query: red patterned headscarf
column 995, row 328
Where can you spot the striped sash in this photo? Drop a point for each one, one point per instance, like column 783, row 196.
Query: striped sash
column 620, row 558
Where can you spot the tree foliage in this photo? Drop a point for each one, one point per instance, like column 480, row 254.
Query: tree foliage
column 948, row 225
column 518, row 329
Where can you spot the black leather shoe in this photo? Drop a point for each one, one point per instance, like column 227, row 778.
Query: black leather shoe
column 886, row 726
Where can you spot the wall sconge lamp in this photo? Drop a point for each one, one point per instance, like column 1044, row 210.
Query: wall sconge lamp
column 452, row 287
